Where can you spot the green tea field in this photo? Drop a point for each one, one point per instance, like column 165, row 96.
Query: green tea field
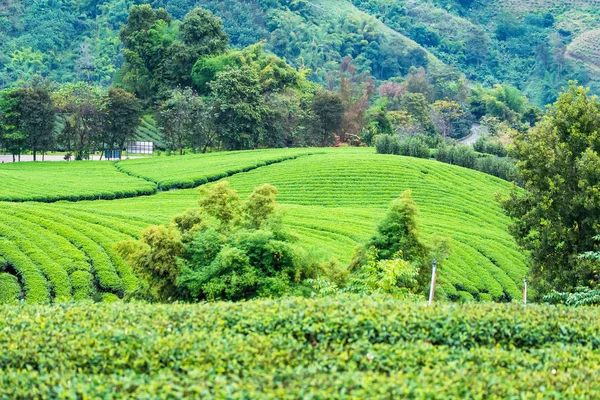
column 341, row 347
column 331, row 198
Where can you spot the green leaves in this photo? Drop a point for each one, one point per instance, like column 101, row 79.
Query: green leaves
column 297, row 348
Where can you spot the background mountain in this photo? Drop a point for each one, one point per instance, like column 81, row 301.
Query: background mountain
column 536, row 46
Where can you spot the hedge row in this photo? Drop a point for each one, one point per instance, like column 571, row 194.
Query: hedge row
column 341, row 347
column 70, row 181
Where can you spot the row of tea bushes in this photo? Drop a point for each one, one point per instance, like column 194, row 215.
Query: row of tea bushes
column 339, row 347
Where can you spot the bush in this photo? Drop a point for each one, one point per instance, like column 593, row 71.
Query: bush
column 485, row 145
column 387, row 144
column 299, row 348
column 10, row 290
column 225, row 250
column 464, row 156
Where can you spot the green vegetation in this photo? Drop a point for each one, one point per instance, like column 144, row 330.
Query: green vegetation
column 342, row 347
column 195, row 170
column 557, row 216
column 71, row 181
column 331, row 201
column 483, row 261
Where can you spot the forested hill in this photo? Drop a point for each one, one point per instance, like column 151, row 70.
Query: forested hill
column 534, row 45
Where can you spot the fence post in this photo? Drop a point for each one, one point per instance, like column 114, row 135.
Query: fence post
column 433, row 278
column 525, row 291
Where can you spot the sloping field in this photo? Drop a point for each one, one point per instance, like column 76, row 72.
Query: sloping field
column 522, row 6
column 455, row 202
column 194, row 170
column 52, row 181
column 330, row 348
column 148, row 132
column 333, row 201
column 586, row 47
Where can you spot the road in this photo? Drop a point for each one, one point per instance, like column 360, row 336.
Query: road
column 7, row 158
column 476, row 131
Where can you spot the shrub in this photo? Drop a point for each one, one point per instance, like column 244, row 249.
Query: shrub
column 225, row 250
column 10, row 290
column 298, row 348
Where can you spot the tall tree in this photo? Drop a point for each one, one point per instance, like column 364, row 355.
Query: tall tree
column 186, row 121
column 13, row 138
column 558, row 214
column 327, row 111
column 28, row 120
column 80, row 104
column 37, row 118
column 121, row 113
column 239, row 108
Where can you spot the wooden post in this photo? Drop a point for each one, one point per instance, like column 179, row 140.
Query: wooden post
column 433, row 279
column 524, row 291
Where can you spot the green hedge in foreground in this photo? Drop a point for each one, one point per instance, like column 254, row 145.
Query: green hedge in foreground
column 344, row 347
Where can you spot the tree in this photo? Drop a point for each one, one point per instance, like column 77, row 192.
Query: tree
column 121, row 113
column 202, row 35
column 238, row 107
column 154, row 258
column 326, row 113
column 557, row 216
column 13, row 138
column 415, row 104
column 226, row 249
column 445, row 114
column 28, row 120
column 37, row 118
column 186, row 121
column 80, row 104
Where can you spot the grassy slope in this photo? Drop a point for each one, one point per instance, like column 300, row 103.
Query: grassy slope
column 333, row 201
column 51, row 181
column 333, row 9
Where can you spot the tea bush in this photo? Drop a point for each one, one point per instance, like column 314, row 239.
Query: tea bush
column 344, row 347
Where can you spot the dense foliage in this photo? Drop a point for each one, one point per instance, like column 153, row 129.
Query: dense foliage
column 335, row 348
column 558, row 216
column 224, row 250
column 331, row 201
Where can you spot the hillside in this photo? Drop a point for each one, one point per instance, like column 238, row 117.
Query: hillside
column 536, row 46
column 66, row 250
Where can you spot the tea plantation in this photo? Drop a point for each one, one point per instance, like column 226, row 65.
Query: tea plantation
column 332, row 200
column 328, row 348
column 53, row 181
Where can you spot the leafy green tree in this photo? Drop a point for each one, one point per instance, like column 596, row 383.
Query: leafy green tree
column 395, row 260
column 28, row 117
column 154, row 258
column 186, row 120
column 415, row 104
column 12, row 137
column 238, row 107
column 225, row 250
column 81, row 106
column 557, row 216
column 121, row 113
column 37, row 117
column 445, row 114
column 325, row 120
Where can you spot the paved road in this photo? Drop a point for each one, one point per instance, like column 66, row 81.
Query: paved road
column 476, row 131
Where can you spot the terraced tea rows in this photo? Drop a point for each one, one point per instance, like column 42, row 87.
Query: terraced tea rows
column 455, row 203
column 586, row 47
column 52, row 181
column 148, row 132
column 194, row 170
column 332, row 201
